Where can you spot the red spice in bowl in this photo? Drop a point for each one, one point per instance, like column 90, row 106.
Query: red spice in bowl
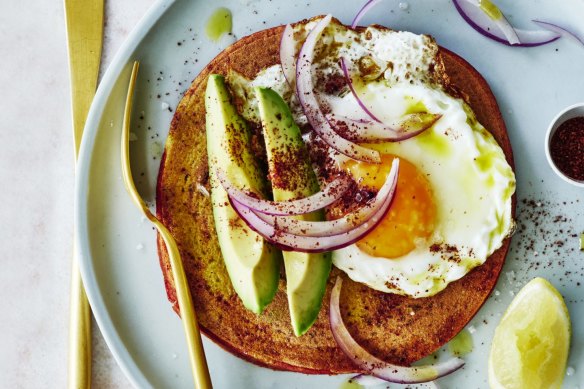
column 567, row 148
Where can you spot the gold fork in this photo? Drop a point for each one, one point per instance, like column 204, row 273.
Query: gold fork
column 187, row 312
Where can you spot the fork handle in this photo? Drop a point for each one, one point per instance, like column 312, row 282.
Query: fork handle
column 189, row 319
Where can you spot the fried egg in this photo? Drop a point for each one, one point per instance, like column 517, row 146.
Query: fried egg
column 452, row 207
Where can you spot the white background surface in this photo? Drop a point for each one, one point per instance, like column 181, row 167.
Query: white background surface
column 37, row 176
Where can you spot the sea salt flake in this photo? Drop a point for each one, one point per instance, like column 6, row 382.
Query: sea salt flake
column 164, row 106
column 497, row 293
column 139, row 246
column 471, row 329
column 570, row 371
column 156, row 149
column 510, row 276
column 404, row 6
column 202, row 190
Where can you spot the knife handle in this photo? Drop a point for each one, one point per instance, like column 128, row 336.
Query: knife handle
column 84, row 22
column 79, row 334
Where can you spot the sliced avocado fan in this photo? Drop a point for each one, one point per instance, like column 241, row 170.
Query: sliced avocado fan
column 252, row 263
column 292, row 177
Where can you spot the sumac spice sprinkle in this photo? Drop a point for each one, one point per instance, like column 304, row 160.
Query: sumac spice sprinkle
column 567, row 148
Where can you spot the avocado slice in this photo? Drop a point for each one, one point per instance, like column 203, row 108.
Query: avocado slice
column 252, row 263
column 292, row 177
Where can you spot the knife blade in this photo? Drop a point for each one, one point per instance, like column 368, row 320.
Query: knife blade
column 84, row 22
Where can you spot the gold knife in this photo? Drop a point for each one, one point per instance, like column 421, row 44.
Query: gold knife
column 84, row 37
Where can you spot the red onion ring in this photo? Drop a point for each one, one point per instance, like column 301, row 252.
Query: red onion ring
column 311, row 107
column 533, row 38
column 327, row 228
column 331, row 193
column 287, row 51
column 306, row 244
column 368, row 381
column 309, row 228
column 498, row 19
column 347, row 75
column 478, row 20
column 317, row 244
column 371, row 132
column 375, row 366
column 370, row 4
column 559, row 29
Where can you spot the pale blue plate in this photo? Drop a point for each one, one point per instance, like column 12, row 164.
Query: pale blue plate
column 117, row 247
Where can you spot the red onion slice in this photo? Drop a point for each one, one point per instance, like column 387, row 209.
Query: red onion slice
column 482, row 23
column 347, row 74
column 375, row 366
column 331, row 227
column 559, row 29
column 287, row 51
column 310, row 105
column 318, row 244
column 312, row 228
column 307, row 244
column 368, row 381
column 485, row 18
column 372, row 132
column 331, row 193
column 494, row 13
column 370, row 4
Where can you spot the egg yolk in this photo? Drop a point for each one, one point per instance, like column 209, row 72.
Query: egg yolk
column 412, row 215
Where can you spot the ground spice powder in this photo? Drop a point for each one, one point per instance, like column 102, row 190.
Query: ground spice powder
column 567, row 148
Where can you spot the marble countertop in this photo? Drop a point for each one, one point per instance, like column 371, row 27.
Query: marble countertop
column 37, row 169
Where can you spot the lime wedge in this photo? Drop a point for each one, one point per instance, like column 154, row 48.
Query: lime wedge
column 531, row 344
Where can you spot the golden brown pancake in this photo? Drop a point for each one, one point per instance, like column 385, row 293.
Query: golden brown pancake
column 382, row 323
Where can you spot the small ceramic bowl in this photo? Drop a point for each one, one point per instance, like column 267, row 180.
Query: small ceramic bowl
column 568, row 113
